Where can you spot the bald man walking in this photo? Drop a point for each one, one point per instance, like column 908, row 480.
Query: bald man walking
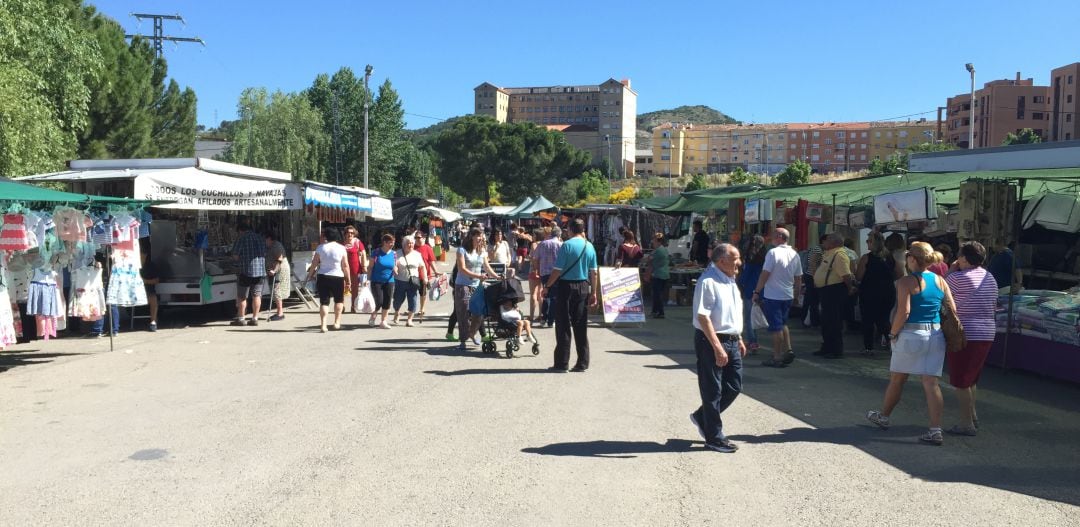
column 777, row 290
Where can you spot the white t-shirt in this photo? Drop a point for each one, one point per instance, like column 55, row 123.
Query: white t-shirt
column 501, row 253
column 330, row 255
column 408, row 266
column 510, row 314
column 783, row 265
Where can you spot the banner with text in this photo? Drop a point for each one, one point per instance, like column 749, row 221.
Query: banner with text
column 620, row 291
column 206, row 191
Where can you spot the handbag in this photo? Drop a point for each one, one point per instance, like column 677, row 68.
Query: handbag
column 757, row 318
column 414, row 280
column 955, row 340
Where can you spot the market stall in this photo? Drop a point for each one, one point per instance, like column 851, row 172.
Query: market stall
column 198, row 204
column 64, row 255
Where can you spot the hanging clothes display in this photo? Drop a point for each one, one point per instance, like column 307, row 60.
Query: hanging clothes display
column 43, row 302
column 8, row 335
column 13, row 235
column 125, row 284
column 87, row 294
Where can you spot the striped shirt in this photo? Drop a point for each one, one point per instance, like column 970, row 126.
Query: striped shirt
column 975, row 295
column 545, row 254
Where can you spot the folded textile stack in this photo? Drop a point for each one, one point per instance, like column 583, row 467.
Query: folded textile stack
column 1049, row 315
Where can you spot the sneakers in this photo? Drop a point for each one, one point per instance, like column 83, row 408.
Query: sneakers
column 881, row 420
column 579, row 369
column 557, row 369
column 450, row 337
column 958, row 430
column 693, row 419
column 153, row 327
column 275, row 318
column 384, row 325
column 476, row 340
column 932, row 437
column 237, row 322
column 773, row 363
column 722, row 445
column 789, row 357
column 462, row 347
column 371, row 321
column 253, row 322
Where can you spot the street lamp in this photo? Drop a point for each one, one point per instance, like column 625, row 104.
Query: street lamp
column 971, row 127
column 367, row 96
column 607, row 139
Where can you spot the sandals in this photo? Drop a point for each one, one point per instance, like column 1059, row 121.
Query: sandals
column 773, row 363
column 932, row 438
column 789, row 357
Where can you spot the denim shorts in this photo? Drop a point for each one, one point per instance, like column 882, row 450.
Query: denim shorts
column 776, row 312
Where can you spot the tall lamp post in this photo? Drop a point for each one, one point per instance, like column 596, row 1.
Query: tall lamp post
column 607, row 139
column 971, row 127
column 367, row 97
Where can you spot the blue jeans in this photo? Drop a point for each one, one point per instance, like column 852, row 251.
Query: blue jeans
column 404, row 289
column 718, row 386
column 547, row 306
column 98, row 326
column 659, row 296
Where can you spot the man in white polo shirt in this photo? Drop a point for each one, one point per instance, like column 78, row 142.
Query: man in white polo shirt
column 718, row 324
column 781, row 278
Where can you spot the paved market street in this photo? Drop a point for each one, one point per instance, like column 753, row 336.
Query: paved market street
column 281, row 425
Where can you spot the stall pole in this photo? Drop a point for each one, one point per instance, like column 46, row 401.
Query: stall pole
column 1012, row 272
column 108, row 308
column 833, row 221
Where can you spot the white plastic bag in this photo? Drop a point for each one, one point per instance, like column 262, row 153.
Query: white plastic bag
column 757, row 317
column 365, row 300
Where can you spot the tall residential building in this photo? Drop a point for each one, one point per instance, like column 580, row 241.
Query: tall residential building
column 600, row 119
column 1064, row 102
column 1001, row 107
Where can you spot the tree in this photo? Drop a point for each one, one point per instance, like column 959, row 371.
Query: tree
column 741, row 177
column 931, row 147
column 417, row 176
column 593, row 186
column 478, row 155
column 386, row 140
column 280, row 131
column 797, row 173
column 341, row 97
column 893, row 164
column 173, row 132
column 47, row 63
column 697, row 182
column 623, row 196
column 1027, row 136
column 644, row 193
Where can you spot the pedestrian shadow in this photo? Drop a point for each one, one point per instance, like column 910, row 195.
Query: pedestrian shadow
column 441, row 351
column 671, row 367
column 405, row 341
column 487, row 371
column 855, row 435
column 653, row 352
column 14, row 359
column 613, row 449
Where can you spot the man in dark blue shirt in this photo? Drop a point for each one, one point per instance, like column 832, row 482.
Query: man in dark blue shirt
column 1001, row 265
column 699, row 249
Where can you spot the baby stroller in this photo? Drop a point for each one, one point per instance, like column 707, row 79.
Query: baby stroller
column 496, row 292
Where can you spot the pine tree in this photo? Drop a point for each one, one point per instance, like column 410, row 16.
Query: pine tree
column 386, row 149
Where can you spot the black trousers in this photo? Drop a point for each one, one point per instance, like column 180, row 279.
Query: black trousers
column 571, row 315
column 718, row 386
column 833, row 300
column 810, row 303
column 875, row 315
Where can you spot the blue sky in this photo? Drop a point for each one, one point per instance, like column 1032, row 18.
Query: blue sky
column 762, row 61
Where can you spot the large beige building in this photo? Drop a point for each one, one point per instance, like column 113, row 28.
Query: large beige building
column 600, row 119
column 1001, row 107
column 1064, row 102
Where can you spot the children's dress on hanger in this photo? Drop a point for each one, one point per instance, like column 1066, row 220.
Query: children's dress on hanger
column 13, row 235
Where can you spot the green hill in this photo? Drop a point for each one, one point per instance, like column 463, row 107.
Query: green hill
column 699, row 114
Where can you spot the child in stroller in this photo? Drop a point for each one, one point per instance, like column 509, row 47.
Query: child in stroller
column 508, row 312
column 501, row 298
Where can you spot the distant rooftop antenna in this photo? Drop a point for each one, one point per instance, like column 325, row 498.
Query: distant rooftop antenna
column 159, row 31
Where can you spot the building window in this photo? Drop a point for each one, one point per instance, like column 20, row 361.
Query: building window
column 864, row 135
column 840, row 135
column 792, row 158
column 828, row 141
column 815, row 145
column 862, row 157
column 817, row 134
column 877, row 134
column 665, row 157
column 815, row 157
column 1038, row 116
column 1070, row 80
column 1038, row 99
column 1068, row 98
column 793, row 146
column 1068, row 117
column 862, row 146
column 1068, row 136
column 793, row 135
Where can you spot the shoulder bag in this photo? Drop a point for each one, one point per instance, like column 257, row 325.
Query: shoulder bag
column 955, row 340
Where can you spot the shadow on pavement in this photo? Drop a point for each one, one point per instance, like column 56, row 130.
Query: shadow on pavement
column 11, row 360
column 1029, row 441
column 613, row 449
column 487, row 371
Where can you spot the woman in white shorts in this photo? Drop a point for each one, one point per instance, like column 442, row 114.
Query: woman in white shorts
column 918, row 345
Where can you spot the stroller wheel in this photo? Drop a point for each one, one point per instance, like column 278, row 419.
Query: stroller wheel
column 486, row 347
column 536, row 348
column 510, row 349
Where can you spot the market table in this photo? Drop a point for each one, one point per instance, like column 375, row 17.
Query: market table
column 1052, row 359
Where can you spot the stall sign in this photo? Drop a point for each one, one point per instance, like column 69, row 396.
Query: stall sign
column 753, row 211
column 331, row 198
column 214, row 192
column 815, row 213
column 621, row 293
column 840, row 215
column 381, row 208
column 911, row 205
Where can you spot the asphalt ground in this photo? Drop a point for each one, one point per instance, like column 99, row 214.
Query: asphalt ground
column 202, row 423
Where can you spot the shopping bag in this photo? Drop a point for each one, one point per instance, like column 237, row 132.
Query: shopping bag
column 757, row 317
column 444, row 285
column 365, row 300
column 433, row 292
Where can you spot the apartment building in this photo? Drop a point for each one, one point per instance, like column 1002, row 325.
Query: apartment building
column 768, row 148
column 643, row 163
column 600, row 119
column 1064, row 102
column 891, row 137
column 1001, row 107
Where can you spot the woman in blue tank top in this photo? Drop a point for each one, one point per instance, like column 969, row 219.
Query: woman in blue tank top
column 918, row 345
